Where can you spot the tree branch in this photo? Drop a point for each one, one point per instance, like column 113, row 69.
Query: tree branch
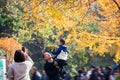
column 86, row 12
column 117, row 4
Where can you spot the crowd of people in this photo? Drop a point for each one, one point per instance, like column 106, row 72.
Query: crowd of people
column 54, row 68
column 93, row 73
column 96, row 74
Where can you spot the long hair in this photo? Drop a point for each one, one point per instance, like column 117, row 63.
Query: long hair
column 19, row 56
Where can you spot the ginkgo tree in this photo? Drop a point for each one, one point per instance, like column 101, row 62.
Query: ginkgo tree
column 86, row 23
column 9, row 46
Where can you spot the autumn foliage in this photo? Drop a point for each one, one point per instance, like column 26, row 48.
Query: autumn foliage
column 9, row 45
column 85, row 23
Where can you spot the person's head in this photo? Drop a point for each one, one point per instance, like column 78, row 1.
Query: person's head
column 34, row 69
column 43, row 72
column 61, row 42
column 80, row 71
column 98, row 70
column 107, row 68
column 101, row 68
column 84, row 70
column 47, row 56
column 19, row 56
column 94, row 70
column 92, row 67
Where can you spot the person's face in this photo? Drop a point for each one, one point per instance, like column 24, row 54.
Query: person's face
column 43, row 72
column 32, row 70
column 99, row 71
column 84, row 70
column 92, row 69
column 47, row 56
column 59, row 43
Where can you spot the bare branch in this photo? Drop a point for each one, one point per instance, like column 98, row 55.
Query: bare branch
column 117, row 4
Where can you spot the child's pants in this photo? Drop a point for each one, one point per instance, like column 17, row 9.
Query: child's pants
column 61, row 63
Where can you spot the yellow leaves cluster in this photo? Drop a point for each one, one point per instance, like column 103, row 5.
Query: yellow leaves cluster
column 97, row 43
column 117, row 51
column 117, row 56
column 59, row 33
column 9, row 45
column 109, row 27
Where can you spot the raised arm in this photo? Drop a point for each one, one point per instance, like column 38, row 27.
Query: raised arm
column 56, row 51
column 29, row 61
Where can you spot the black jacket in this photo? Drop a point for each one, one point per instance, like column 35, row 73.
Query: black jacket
column 51, row 71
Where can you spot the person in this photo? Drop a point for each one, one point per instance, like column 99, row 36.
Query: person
column 80, row 76
column 100, row 74
column 107, row 73
column 44, row 76
column 36, row 75
column 51, row 70
column 115, row 67
column 19, row 69
column 84, row 71
column 94, row 75
column 90, row 71
column 61, row 54
column 67, row 76
column 111, row 77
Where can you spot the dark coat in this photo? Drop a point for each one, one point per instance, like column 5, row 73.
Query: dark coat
column 51, row 71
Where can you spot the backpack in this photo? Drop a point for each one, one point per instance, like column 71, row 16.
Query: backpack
column 62, row 55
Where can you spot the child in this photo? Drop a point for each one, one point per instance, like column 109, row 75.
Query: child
column 61, row 54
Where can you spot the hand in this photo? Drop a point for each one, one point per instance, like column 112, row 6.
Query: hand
column 25, row 54
column 55, row 63
column 53, row 48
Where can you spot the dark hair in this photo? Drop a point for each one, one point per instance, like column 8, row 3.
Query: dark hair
column 93, row 66
column 80, row 71
column 62, row 41
column 23, row 49
column 19, row 56
column 43, row 55
column 83, row 68
column 95, row 70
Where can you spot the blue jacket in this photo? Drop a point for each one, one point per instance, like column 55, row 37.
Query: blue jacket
column 59, row 49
